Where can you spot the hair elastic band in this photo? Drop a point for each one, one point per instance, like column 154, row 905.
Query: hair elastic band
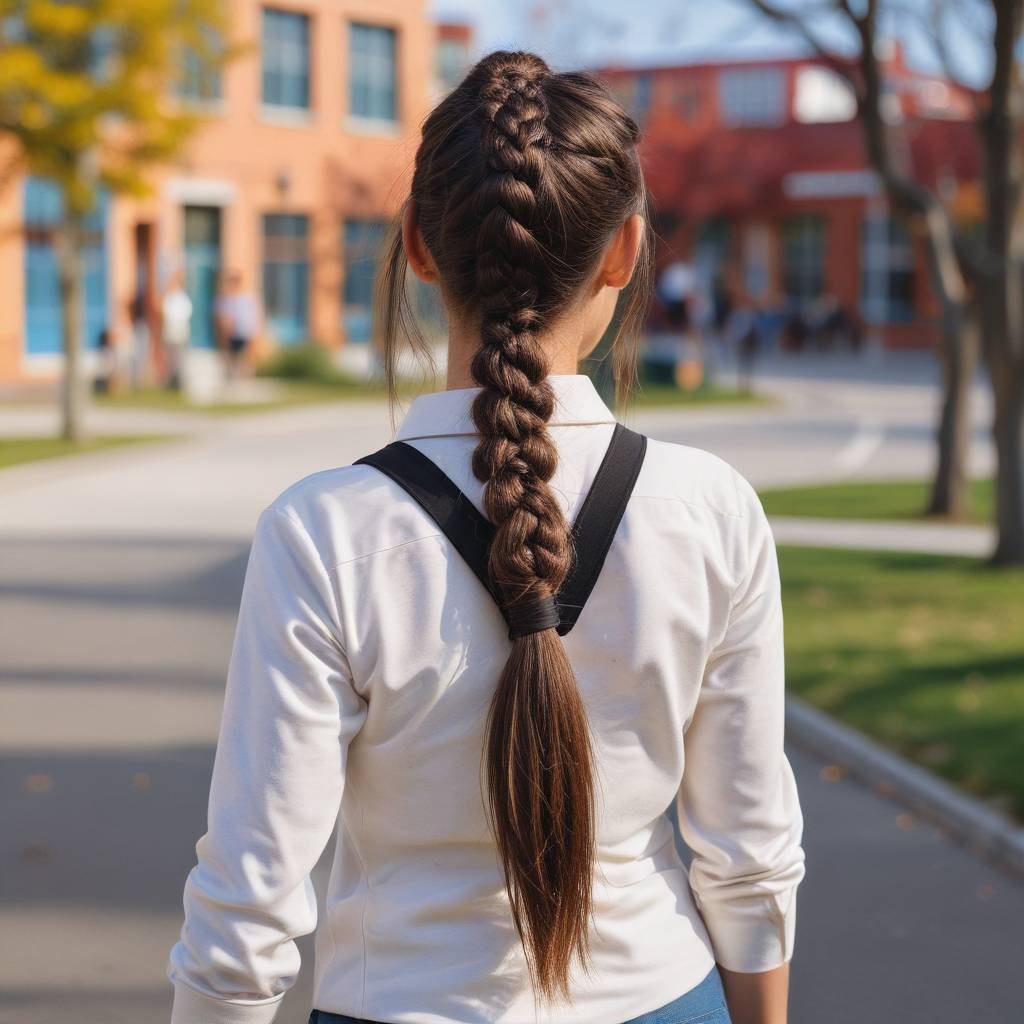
column 532, row 616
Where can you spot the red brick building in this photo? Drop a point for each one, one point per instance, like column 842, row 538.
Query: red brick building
column 759, row 175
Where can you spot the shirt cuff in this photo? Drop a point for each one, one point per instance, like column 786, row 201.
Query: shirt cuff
column 192, row 1007
column 752, row 936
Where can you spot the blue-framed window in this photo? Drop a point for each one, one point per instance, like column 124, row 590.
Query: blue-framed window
column 373, row 77
column 753, row 97
column 363, row 241
column 199, row 80
column 286, row 275
column 43, row 208
column 285, row 59
column 643, row 93
column 451, row 62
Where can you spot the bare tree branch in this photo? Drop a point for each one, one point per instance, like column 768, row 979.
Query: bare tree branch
column 798, row 22
column 934, row 26
column 845, row 7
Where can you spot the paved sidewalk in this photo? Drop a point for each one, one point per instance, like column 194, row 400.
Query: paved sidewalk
column 924, row 538
column 44, row 421
column 42, row 418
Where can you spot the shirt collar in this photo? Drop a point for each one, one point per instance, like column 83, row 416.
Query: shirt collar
column 577, row 403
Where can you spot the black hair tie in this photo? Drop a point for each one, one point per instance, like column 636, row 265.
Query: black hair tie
column 532, row 616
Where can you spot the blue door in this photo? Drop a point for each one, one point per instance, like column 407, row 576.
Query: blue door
column 202, row 270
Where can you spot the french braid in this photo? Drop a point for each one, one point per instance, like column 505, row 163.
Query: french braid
column 516, row 455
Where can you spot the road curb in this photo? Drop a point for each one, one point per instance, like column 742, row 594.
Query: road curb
column 966, row 818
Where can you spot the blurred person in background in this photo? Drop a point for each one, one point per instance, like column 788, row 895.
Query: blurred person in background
column 138, row 314
column 712, row 308
column 742, row 338
column 676, row 288
column 796, row 329
column 238, row 322
column 103, row 382
column 176, row 325
column 836, row 328
column 830, row 326
column 771, row 320
column 498, row 727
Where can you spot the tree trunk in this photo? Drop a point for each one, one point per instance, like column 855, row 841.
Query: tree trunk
column 1008, row 434
column 958, row 358
column 71, row 274
column 1001, row 292
column 1006, row 378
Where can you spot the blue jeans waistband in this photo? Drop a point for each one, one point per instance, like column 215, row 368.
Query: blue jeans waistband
column 703, row 1004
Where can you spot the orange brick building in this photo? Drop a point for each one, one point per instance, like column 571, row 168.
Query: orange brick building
column 759, row 174
column 305, row 157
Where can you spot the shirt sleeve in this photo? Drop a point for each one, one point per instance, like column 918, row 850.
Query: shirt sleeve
column 290, row 713
column 739, row 810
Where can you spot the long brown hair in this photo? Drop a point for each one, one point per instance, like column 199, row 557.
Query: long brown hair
column 521, row 180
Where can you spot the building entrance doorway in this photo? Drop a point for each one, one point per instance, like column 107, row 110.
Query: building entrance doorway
column 202, row 270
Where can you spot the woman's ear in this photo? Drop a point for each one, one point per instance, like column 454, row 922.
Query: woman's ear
column 416, row 251
column 622, row 253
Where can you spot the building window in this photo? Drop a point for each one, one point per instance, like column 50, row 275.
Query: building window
column 363, row 240
column 643, row 90
column 803, row 259
column 453, row 61
column 199, row 81
column 886, row 269
column 822, row 97
column 286, row 275
column 285, row 59
column 372, row 83
column 43, row 210
column 752, row 97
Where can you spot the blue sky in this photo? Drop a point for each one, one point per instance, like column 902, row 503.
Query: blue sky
column 596, row 32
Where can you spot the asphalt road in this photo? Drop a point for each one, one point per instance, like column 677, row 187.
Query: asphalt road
column 119, row 583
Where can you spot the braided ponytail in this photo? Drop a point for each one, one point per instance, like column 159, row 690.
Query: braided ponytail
column 539, row 763
column 521, row 179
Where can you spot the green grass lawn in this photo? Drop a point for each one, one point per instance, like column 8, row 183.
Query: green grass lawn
column 305, row 392
column 15, row 450
column 887, row 499
column 293, row 393
column 923, row 653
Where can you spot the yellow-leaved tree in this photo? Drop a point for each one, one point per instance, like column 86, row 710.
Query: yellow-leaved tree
column 87, row 100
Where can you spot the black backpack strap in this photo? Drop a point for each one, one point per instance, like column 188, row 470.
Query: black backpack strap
column 470, row 532
column 598, row 520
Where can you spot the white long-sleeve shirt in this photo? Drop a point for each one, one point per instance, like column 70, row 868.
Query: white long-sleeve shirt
column 365, row 658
